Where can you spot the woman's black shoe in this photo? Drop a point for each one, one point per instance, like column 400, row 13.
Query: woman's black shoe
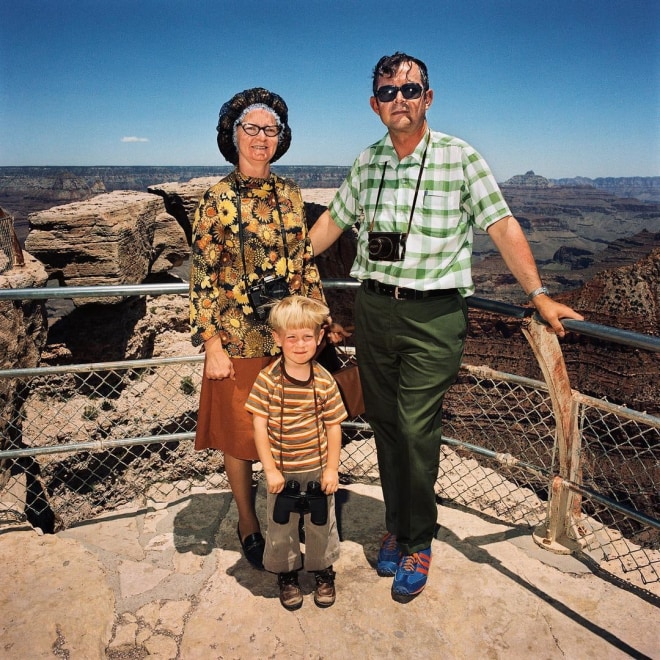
column 253, row 548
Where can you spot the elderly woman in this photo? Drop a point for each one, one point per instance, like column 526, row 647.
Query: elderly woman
column 249, row 247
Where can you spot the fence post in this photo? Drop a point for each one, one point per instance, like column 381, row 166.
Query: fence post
column 9, row 244
column 554, row 533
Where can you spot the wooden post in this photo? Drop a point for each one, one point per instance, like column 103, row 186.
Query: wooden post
column 554, row 533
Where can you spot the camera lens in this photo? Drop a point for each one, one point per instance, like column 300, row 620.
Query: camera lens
column 378, row 246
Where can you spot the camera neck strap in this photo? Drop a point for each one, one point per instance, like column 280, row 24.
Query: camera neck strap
column 316, row 411
column 412, row 210
column 241, row 237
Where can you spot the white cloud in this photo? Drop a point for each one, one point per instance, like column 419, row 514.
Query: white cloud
column 134, row 139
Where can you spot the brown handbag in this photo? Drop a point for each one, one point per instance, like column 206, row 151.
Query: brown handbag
column 350, row 387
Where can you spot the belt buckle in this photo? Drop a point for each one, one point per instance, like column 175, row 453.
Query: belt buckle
column 396, row 293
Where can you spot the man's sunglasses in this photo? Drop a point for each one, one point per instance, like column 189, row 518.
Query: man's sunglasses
column 409, row 91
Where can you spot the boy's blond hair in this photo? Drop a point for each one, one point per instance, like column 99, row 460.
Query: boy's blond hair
column 296, row 312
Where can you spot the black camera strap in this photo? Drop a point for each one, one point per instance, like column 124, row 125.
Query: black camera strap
column 241, row 237
column 404, row 237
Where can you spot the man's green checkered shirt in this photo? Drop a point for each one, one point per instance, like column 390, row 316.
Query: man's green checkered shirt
column 457, row 192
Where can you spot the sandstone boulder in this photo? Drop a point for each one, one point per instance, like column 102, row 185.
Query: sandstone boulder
column 181, row 199
column 116, row 238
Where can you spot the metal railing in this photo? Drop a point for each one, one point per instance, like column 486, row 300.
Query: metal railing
column 582, row 473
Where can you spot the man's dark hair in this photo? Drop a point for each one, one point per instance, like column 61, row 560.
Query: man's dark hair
column 388, row 65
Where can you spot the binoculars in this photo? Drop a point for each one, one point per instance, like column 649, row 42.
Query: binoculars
column 314, row 501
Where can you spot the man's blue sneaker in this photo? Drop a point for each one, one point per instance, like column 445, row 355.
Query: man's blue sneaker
column 411, row 575
column 388, row 556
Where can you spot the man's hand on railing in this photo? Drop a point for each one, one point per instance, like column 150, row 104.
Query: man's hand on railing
column 552, row 312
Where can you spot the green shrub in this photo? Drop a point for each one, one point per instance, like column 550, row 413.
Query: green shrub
column 187, row 386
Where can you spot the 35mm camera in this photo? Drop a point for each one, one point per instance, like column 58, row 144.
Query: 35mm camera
column 266, row 291
column 386, row 245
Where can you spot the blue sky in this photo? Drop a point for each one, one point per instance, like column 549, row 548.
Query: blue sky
column 561, row 88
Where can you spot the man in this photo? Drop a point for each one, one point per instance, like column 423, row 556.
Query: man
column 418, row 194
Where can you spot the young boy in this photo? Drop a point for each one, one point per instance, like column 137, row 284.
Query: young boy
column 297, row 411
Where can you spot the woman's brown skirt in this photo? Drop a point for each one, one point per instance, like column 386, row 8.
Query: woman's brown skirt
column 222, row 421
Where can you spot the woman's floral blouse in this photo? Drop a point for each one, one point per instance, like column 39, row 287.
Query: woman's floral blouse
column 218, row 300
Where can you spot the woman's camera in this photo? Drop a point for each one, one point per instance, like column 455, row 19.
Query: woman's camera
column 386, row 245
column 265, row 291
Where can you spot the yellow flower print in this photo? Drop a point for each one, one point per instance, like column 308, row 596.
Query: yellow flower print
column 251, row 256
column 266, row 234
column 280, row 266
column 203, row 241
column 261, row 193
column 227, row 212
column 291, row 220
column 312, row 275
column 202, row 227
column 233, row 349
column 211, row 254
column 253, row 343
column 204, row 318
column 218, row 232
column 234, row 319
column 262, row 211
column 239, row 294
column 246, row 206
column 285, row 205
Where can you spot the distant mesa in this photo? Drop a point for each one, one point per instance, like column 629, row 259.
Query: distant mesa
column 530, row 180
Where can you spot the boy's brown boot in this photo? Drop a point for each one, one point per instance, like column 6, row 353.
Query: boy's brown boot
column 290, row 593
column 324, row 594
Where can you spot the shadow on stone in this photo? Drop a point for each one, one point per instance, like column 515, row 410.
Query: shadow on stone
column 196, row 526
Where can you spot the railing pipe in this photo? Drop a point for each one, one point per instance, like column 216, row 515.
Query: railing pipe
column 613, row 504
column 502, row 459
column 606, row 333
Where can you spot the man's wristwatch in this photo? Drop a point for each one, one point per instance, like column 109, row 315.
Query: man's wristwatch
column 537, row 292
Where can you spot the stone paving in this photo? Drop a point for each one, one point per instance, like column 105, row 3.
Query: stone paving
column 168, row 581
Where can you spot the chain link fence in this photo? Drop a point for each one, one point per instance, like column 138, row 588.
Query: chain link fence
column 86, row 439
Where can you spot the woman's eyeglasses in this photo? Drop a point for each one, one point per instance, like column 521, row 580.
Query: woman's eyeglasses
column 409, row 91
column 253, row 129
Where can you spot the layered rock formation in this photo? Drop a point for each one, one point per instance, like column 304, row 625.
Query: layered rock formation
column 23, row 328
column 181, row 199
column 116, row 238
column 626, row 298
column 27, row 190
column 22, row 323
column 646, row 188
column 584, row 218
